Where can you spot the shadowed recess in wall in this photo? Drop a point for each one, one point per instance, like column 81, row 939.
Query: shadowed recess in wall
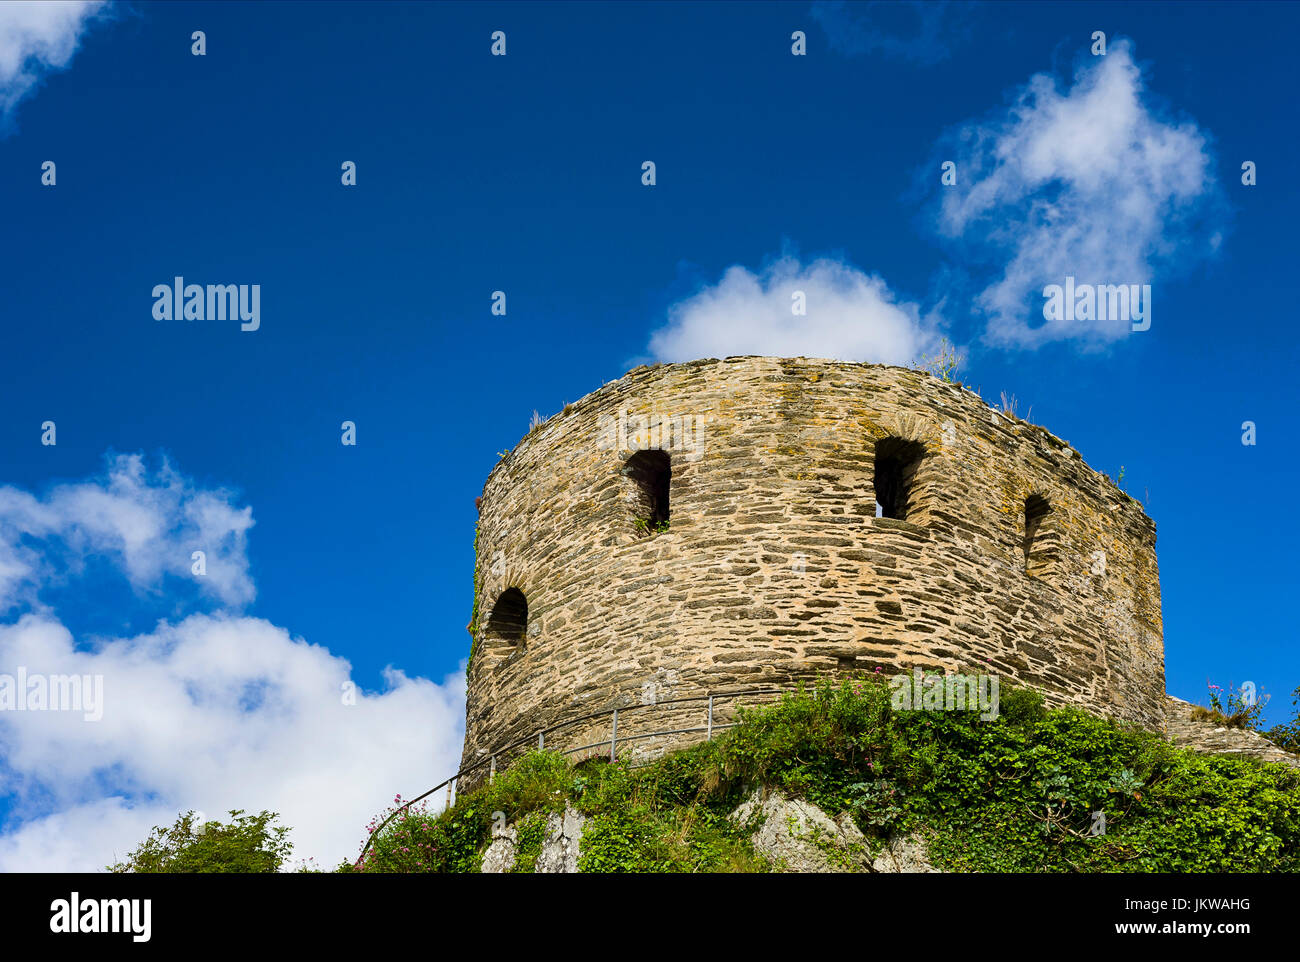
column 509, row 618
column 896, row 464
column 651, row 474
column 1040, row 542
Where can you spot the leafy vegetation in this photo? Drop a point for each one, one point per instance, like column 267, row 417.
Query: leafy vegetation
column 472, row 627
column 1287, row 735
column 249, row 843
column 418, row 840
column 1034, row 790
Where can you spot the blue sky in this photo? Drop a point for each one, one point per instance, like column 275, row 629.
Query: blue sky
column 522, row 174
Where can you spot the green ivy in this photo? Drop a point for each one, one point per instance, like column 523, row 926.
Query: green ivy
column 530, row 834
column 473, row 615
column 1025, row 792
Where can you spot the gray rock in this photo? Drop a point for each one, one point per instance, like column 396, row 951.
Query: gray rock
column 499, row 857
column 799, row 837
column 903, row 855
column 563, row 837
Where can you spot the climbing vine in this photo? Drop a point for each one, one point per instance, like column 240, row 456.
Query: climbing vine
column 473, row 615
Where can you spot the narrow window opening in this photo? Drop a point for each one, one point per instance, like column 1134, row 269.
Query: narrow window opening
column 1035, row 547
column 509, row 618
column 651, row 473
column 895, row 478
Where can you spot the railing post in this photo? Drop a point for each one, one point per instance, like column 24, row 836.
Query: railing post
column 709, row 737
column 541, row 741
column 613, row 739
column 492, row 769
column 450, row 784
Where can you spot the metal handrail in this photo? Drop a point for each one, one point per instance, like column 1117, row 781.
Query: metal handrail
column 612, row 742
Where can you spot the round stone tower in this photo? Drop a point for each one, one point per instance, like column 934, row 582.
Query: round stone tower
column 727, row 524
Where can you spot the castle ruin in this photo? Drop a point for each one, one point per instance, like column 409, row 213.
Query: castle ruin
column 754, row 521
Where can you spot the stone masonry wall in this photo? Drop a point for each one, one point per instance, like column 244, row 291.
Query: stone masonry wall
column 1187, row 731
column 774, row 567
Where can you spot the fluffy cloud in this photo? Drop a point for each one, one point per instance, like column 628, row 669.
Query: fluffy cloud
column 211, row 712
column 1093, row 182
column 850, row 316
column 38, row 38
column 1090, row 182
column 150, row 523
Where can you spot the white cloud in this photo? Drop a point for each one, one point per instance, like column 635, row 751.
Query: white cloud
column 38, row 38
column 150, row 523
column 850, row 316
column 1090, row 182
column 82, row 837
column 212, row 712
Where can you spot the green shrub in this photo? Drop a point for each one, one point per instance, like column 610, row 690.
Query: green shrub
column 530, row 834
column 1287, row 735
column 1034, row 790
column 248, row 844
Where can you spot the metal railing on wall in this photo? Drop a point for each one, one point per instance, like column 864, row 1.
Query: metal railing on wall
column 614, row 741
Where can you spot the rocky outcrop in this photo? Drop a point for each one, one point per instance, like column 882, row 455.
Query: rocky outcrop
column 903, row 855
column 499, row 857
column 794, row 835
column 563, row 838
column 559, row 854
column 1204, row 735
column 797, row 836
